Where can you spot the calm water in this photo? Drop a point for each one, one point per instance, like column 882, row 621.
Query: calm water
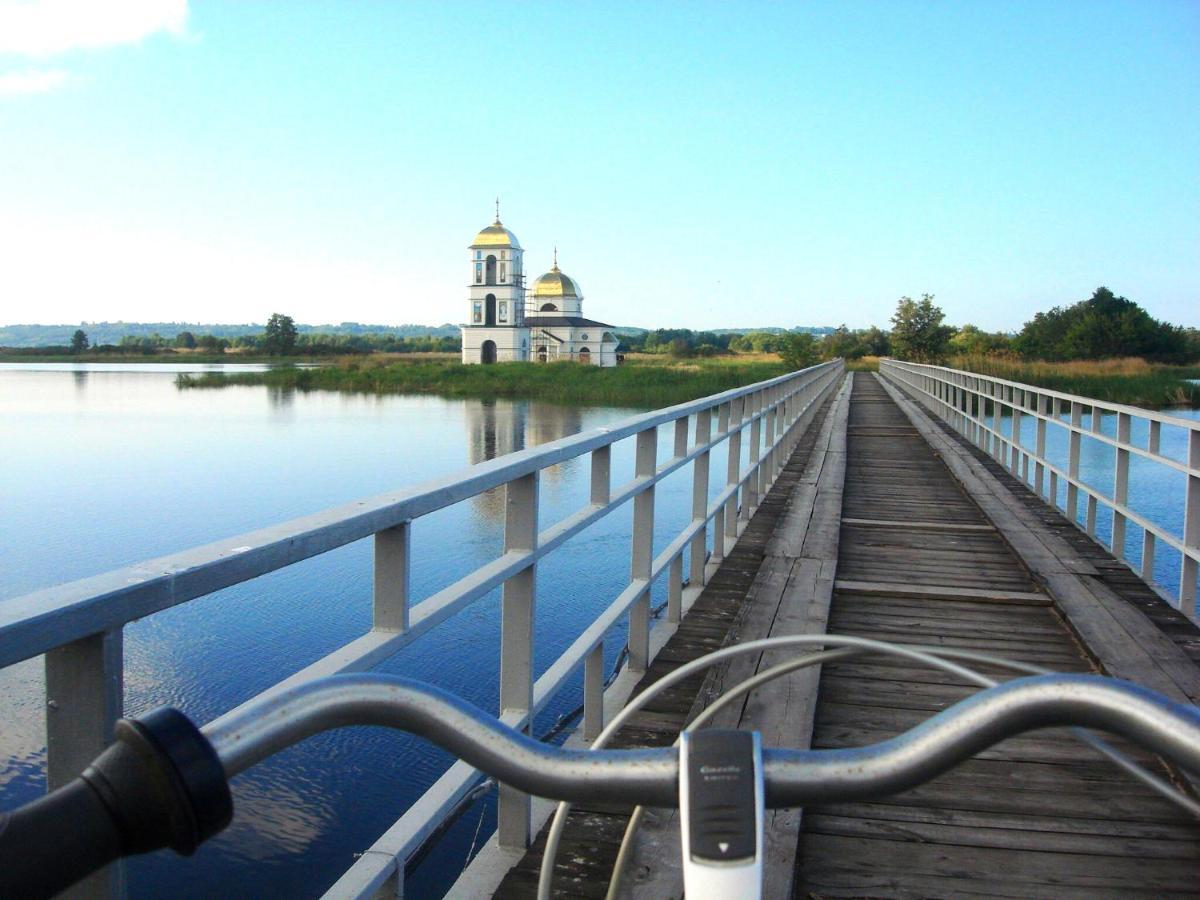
column 105, row 466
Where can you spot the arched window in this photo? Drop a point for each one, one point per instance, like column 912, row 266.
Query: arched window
column 548, row 307
column 489, row 309
column 491, row 270
column 543, row 354
column 585, row 355
column 487, row 353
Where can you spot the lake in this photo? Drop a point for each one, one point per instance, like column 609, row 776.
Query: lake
column 107, row 465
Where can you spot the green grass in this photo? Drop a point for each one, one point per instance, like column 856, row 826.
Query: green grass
column 643, row 383
column 1132, row 381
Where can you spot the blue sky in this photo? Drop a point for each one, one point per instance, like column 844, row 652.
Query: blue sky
column 697, row 164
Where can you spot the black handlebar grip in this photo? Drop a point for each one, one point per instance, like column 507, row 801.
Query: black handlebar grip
column 160, row 784
column 49, row 844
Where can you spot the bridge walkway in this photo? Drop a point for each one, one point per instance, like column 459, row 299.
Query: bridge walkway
column 871, row 531
column 918, row 561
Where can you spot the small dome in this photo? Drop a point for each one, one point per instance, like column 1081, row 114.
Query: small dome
column 555, row 284
column 495, row 235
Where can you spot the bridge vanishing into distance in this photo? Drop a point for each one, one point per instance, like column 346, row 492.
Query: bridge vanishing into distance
column 922, row 505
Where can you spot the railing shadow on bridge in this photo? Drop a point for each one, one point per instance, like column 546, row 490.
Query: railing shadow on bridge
column 78, row 626
column 991, row 412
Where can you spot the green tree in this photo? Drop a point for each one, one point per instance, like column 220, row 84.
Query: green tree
column 844, row 343
column 186, row 340
column 79, row 341
column 974, row 341
column 279, row 337
column 917, row 330
column 800, row 350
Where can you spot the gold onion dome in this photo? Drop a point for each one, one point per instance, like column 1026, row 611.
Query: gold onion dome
column 495, row 235
column 555, row 284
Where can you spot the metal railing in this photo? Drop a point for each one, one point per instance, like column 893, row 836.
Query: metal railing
column 78, row 626
column 978, row 406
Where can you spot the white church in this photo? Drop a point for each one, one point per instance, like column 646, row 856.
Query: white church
column 506, row 322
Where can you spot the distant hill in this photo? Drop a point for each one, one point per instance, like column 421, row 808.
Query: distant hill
column 112, row 332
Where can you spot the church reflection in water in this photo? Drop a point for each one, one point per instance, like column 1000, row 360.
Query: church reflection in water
column 496, row 427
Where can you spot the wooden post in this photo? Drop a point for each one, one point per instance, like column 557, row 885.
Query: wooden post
column 513, row 822
column 642, row 556
column 1120, row 486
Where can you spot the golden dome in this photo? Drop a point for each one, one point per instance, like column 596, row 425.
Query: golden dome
column 555, row 284
column 495, row 235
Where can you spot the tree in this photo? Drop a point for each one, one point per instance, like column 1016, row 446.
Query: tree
column 917, row 330
column 844, row 343
column 800, row 350
column 974, row 341
column 79, row 341
column 1102, row 326
column 186, row 340
column 279, row 337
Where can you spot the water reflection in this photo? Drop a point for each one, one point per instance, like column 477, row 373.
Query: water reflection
column 496, row 427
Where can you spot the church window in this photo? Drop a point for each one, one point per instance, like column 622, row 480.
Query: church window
column 479, row 254
column 583, row 337
column 504, row 254
column 503, row 274
column 479, row 273
column 503, row 310
column 478, row 318
column 548, row 307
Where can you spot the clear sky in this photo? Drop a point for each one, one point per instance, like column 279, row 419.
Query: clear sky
column 698, row 164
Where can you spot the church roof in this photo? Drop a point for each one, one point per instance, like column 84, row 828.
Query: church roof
column 555, row 284
column 495, row 235
column 536, row 321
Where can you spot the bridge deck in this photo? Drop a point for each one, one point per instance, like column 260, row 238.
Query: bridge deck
column 917, row 560
column 1036, row 815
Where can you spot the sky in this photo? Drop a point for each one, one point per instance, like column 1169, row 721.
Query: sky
column 699, row 165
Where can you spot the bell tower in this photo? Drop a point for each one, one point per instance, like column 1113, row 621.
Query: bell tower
column 495, row 329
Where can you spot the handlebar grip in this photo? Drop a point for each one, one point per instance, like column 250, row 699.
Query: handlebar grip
column 160, row 784
column 49, row 844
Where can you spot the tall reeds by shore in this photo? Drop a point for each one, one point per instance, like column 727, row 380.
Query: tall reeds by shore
column 1129, row 380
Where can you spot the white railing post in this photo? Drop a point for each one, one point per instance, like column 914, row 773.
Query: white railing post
column 718, row 550
column 1015, row 457
column 675, row 590
column 997, row 421
column 699, row 549
column 642, row 556
column 1091, row 500
column 1120, row 486
column 1073, row 445
column 734, row 466
column 1039, row 478
column 1191, row 527
column 601, row 483
column 84, row 691
column 754, row 482
column 1153, row 440
column 593, row 693
column 393, row 550
column 513, row 823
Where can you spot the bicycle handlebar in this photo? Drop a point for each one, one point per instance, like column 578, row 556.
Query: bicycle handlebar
column 165, row 782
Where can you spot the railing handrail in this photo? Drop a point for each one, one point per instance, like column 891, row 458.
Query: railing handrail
column 1141, row 412
column 959, row 396
column 111, row 599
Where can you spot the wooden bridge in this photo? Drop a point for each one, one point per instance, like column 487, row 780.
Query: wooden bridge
column 920, row 505
column 887, row 525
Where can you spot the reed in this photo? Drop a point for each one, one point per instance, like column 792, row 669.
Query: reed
column 1129, row 380
column 639, row 383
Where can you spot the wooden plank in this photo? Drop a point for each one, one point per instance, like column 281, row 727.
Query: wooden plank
column 926, row 592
